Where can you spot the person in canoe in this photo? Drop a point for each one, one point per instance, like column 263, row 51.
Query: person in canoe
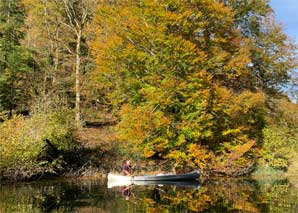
column 126, row 168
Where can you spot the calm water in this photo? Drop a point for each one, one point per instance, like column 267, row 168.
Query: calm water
column 221, row 195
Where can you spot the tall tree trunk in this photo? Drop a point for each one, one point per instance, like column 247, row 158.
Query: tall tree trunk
column 56, row 64
column 77, row 21
column 77, row 87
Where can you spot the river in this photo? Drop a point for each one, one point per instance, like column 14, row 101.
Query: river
column 92, row 195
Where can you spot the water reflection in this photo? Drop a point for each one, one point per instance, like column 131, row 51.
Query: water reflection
column 126, row 191
column 220, row 195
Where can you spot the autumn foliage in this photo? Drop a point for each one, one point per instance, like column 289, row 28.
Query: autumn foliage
column 195, row 83
column 184, row 74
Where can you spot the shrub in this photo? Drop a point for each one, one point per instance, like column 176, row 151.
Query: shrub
column 280, row 137
column 280, row 145
column 36, row 143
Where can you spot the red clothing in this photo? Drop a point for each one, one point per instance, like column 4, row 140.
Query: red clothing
column 126, row 168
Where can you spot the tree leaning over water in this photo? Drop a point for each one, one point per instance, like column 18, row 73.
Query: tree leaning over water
column 190, row 78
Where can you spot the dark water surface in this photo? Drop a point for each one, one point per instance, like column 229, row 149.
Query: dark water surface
column 220, row 195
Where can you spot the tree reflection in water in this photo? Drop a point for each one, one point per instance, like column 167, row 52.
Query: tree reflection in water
column 223, row 195
column 220, row 195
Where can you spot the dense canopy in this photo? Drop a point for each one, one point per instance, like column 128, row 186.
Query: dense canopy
column 194, row 83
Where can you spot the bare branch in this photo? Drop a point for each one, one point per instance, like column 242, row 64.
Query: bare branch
column 63, row 44
column 70, row 15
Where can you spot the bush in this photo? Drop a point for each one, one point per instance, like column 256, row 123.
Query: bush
column 280, row 137
column 280, row 144
column 36, row 143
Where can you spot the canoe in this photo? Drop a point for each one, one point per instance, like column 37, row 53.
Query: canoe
column 115, row 179
column 162, row 177
column 187, row 183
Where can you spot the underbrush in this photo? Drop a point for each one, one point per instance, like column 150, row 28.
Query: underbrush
column 36, row 146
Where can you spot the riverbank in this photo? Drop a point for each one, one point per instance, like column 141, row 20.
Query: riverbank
column 98, row 152
column 54, row 150
column 264, row 173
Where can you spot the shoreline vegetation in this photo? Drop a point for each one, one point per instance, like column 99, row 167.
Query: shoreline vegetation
column 174, row 86
column 97, row 153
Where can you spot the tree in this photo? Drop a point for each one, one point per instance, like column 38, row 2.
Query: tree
column 272, row 53
column 62, row 29
column 179, row 74
column 78, row 14
column 46, row 35
column 17, row 65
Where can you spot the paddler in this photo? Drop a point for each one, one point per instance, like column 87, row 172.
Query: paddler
column 126, row 168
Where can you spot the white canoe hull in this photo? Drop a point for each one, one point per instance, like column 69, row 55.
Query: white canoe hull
column 120, row 180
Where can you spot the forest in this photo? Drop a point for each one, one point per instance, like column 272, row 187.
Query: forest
column 191, row 84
